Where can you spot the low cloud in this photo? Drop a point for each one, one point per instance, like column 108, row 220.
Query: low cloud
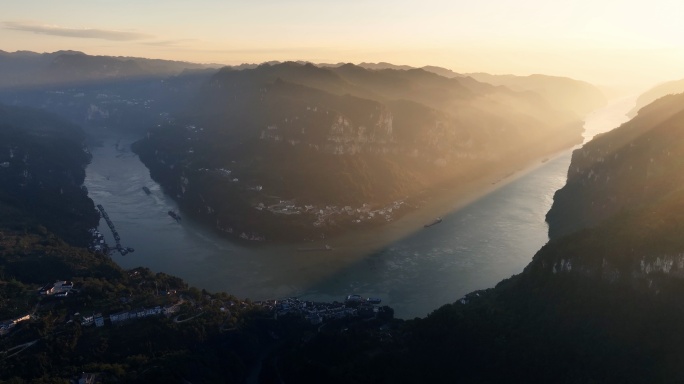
column 171, row 43
column 83, row 33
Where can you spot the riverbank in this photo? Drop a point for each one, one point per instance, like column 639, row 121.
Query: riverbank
column 440, row 202
column 416, row 269
column 205, row 259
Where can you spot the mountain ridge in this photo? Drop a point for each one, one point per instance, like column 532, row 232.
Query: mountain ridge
column 384, row 136
column 30, row 69
column 656, row 92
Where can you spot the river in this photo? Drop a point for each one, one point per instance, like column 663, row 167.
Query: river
column 474, row 247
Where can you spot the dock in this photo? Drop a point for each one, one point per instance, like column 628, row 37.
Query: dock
column 123, row 251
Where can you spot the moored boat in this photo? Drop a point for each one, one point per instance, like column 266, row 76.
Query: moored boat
column 437, row 221
column 353, row 299
column 324, row 248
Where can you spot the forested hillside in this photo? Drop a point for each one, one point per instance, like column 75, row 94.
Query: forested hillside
column 42, row 167
column 302, row 151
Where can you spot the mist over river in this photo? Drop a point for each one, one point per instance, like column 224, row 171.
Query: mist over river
column 474, row 247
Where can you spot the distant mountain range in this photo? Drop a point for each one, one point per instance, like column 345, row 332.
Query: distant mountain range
column 660, row 90
column 74, row 68
column 561, row 92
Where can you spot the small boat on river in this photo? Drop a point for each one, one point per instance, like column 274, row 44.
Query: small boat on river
column 324, row 248
column 437, row 221
column 175, row 215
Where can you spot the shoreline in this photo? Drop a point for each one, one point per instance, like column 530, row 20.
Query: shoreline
column 299, row 271
column 359, row 243
column 355, row 246
column 442, row 201
column 303, row 271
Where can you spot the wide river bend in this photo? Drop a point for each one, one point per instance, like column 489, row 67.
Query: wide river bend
column 473, row 248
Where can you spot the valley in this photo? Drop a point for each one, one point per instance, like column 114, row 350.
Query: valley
column 341, row 192
column 457, row 234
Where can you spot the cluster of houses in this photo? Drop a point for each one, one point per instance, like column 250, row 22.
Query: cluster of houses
column 58, row 289
column 330, row 213
column 63, row 288
column 358, row 215
column 98, row 319
column 317, row 312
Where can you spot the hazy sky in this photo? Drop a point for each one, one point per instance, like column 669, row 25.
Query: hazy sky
column 602, row 41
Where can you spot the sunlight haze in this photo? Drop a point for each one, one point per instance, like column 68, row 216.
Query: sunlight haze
column 327, row 191
column 607, row 43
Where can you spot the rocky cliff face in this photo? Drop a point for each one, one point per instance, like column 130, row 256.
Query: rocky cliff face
column 614, row 268
column 637, row 164
column 618, row 216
